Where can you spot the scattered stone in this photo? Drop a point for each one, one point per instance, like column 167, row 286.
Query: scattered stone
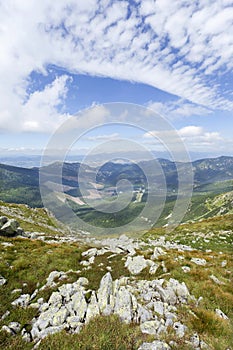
column 22, row 301
column 73, row 322
column 150, row 327
column 136, row 264
column 7, row 244
column 180, row 329
column 195, row 340
column 199, row 261
column 143, row 314
column 221, row 314
column 54, row 275
column 186, row 269
column 224, row 263
column 49, row 331
column 164, row 267
column 158, row 251
column 34, row 294
column 25, row 335
column 5, row 315
column 180, row 289
column 154, row 267
column 90, row 252
column 2, row 281
column 167, row 294
column 17, row 290
column 216, row 280
column 55, row 299
column 159, row 307
column 14, row 326
column 156, row 345
column 7, row 330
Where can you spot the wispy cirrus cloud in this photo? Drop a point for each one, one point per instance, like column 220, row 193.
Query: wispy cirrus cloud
column 183, row 48
column 179, row 109
column 107, row 137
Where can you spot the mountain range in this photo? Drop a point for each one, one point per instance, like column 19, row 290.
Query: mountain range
column 212, row 177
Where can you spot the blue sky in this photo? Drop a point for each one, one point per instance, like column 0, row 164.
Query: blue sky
column 57, row 58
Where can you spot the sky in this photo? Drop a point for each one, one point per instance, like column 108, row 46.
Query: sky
column 60, row 57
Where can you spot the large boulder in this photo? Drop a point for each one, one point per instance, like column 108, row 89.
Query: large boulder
column 9, row 228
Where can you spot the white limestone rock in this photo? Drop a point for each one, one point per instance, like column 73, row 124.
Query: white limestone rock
column 66, row 291
column 159, row 307
column 221, row 314
column 7, row 330
column 180, row 329
column 60, row 317
column 136, row 264
column 92, row 308
column 186, row 269
column 90, row 252
column 180, row 290
column 22, row 301
column 216, row 280
column 50, row 330
column 154, row 267
column 55, row 299
column 142, row 314
column 2, row 281
column 105, row 294
column 123, row 305
column 73, row 322
column 78, row 306
column 14, row 326
column 150, row 327
column 195, row 340
column 45, row 318
column 167, row 294
column 158, row 251
column 155, row 345
column 199, row 261
column 25, row 336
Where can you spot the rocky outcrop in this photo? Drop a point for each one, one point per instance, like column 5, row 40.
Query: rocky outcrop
column 151, row 304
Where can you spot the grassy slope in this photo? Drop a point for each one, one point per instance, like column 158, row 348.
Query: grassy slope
column 28, row 263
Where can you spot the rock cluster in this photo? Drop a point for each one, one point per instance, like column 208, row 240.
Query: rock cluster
column 10, row 227
column 151, row 304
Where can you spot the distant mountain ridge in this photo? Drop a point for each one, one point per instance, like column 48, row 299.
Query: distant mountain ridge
column 21, row 185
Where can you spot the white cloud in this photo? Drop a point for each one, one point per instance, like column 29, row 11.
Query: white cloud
column 176, row 46
column 37, row 112
column 194, row 137
column 107, row 137
column 190, row 131
column 40, row 111
column 178, row 109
